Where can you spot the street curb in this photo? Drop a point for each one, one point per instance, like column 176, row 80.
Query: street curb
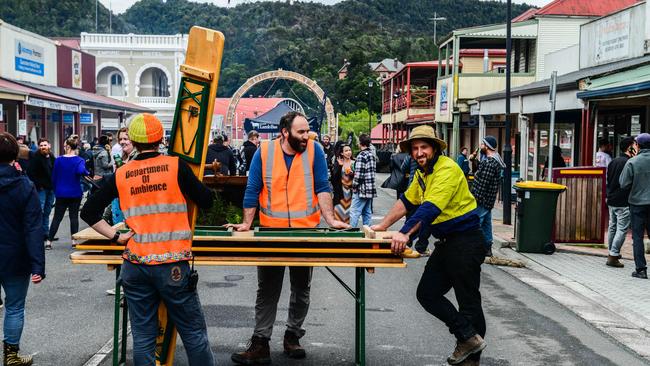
column 624, row 326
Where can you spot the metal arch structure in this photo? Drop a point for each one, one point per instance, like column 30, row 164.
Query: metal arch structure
column 332, row 127
column 293, row 104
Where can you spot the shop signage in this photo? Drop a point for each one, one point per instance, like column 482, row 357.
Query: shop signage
column 444, row 98
column 86, row 118
column 76, row 69
column 614, row 38
column 28, row 58
column 22, row 127
column 635, row 125
column 68, row 118
column 51, row 105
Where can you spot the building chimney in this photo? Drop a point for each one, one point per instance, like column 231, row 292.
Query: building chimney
column 486, row 61
column 395, row 63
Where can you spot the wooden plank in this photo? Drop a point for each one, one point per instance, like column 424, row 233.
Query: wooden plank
column 370, row 233
column 254, row 250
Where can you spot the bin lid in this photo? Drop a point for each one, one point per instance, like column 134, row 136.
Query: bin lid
column 539, row 186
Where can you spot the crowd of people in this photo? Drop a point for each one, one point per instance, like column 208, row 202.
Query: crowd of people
column 294, row 180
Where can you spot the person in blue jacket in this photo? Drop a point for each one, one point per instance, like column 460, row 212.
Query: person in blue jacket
column 21, row 225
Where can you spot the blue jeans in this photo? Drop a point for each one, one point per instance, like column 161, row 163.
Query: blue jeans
column 361, row 207
column 640, row 226
column 144, row 287
column 15, row 288
column 619, row 223
column 46, row 196
column 485, row 217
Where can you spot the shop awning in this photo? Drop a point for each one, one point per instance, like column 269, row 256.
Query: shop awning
column 90, row 100
column 39, row 98
column 626, row 82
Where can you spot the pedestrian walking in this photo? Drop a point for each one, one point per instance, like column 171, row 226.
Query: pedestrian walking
column 363, row 185
column 66, row 178
column 102, row 163
column 342, row 177
column 249, row 147
column 23, row 256
column 40, row 172
column 128, row 153
column 603, row 156
column 486, row 185
column 441, row 199
column 635, row 176
column 329, row 150
column 463, row 161
column 159, row 243
column 617, row 203
column 288, row 180
column 218, row 151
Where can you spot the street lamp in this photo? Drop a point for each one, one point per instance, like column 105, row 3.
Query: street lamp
column 370, row 85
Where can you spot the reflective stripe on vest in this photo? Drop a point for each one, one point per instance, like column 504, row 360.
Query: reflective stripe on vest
column 298, row 205
column 155, row 209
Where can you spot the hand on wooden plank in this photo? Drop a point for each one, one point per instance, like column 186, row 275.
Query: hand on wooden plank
column 398, row 242
column 337, row 224
column 239, row 227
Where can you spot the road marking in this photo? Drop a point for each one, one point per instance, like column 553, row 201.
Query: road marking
column 103, row 352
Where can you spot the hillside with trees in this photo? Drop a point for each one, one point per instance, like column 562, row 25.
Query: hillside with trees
column 309, row 38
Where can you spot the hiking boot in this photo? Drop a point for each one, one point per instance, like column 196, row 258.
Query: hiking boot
column 427, row 253
column 258, row 353
column 640, row 273
column 469, row 362
column 12, row 358
column 292, row 347
column 613, row 261
column 464, row 349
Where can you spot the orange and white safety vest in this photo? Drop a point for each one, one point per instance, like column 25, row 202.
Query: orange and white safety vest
column 288, row 198
column 156, row 210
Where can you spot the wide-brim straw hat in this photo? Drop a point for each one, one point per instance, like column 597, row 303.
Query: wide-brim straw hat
column 424, row 132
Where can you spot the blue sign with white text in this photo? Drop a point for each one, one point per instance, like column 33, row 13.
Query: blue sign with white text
column 29, row 58
column 86, row 118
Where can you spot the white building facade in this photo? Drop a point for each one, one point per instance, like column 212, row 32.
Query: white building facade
column 140, row 69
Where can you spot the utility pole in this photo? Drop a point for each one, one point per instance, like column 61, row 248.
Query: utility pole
column 507, row 148
column 110, row 17
column 551, row 134
column 96, row 13
column 436, row 19
column 370, row 85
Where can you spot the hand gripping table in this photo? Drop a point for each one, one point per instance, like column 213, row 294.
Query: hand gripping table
column 363, row 250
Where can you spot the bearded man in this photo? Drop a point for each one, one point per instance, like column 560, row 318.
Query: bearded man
column 40, row 172
column 288, row 180
column 440, row 198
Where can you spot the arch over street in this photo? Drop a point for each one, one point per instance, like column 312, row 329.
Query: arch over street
column 332, row 127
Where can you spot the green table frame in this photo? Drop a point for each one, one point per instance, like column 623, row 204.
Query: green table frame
column 359, row 295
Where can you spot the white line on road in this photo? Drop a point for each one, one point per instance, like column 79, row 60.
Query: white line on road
column 103, row 352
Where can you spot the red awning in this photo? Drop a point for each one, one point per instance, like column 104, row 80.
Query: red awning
column 22, row 89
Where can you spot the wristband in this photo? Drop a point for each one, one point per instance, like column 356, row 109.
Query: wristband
column 115, row 237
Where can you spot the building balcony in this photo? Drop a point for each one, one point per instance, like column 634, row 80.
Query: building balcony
column 419, row 105
column 133, row 41
column 153, row 100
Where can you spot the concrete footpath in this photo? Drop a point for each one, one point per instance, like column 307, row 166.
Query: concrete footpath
column 576, row 277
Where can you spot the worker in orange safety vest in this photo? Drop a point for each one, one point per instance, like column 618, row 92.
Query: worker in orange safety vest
column 288, row 180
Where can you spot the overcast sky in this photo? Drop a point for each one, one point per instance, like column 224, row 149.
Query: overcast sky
column 119, row 6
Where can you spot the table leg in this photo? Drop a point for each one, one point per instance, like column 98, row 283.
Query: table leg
column 125, row 319
column 360, row 302
column 116, row 320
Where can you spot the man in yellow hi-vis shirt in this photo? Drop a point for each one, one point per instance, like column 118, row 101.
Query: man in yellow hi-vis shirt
column 440, row 198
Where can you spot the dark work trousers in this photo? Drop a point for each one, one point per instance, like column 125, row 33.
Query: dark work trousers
column 640, row 216
column 456, row 263
column 61, row 205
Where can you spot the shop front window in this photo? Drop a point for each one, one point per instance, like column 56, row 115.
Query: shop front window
column 538, row 150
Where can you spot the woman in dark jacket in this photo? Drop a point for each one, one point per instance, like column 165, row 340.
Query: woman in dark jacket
column 21, row 246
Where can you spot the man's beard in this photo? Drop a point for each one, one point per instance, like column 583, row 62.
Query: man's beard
column 296, row 144
column 44, row 151
column 484, row 150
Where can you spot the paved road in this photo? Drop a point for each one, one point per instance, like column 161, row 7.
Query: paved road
column 69, row 318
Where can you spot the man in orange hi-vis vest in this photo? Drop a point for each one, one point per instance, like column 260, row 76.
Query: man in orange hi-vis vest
column 288, row 179
column 152, row 190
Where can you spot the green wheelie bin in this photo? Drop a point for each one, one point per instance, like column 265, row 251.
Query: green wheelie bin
column 535, row 208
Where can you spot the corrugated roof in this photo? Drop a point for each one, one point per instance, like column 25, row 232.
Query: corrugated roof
column 592, row 8
column 570, row 80
column 69, row 42
column 628, row 81
column 528, row 14
column 26, row 90
column 89, row 99
column 390, row 64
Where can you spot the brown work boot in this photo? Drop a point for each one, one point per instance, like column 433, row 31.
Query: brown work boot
column 12, row 358
column 469, row 362
column 465, row 349
column 613, row 261
column 258, row 353
column 292, row 346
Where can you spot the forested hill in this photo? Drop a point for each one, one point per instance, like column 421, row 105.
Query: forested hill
column 310, row 38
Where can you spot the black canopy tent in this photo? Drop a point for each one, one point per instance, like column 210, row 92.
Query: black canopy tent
column 269, row 121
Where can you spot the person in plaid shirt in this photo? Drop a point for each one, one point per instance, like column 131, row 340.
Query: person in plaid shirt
column 486, row 184
column 363, row 185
